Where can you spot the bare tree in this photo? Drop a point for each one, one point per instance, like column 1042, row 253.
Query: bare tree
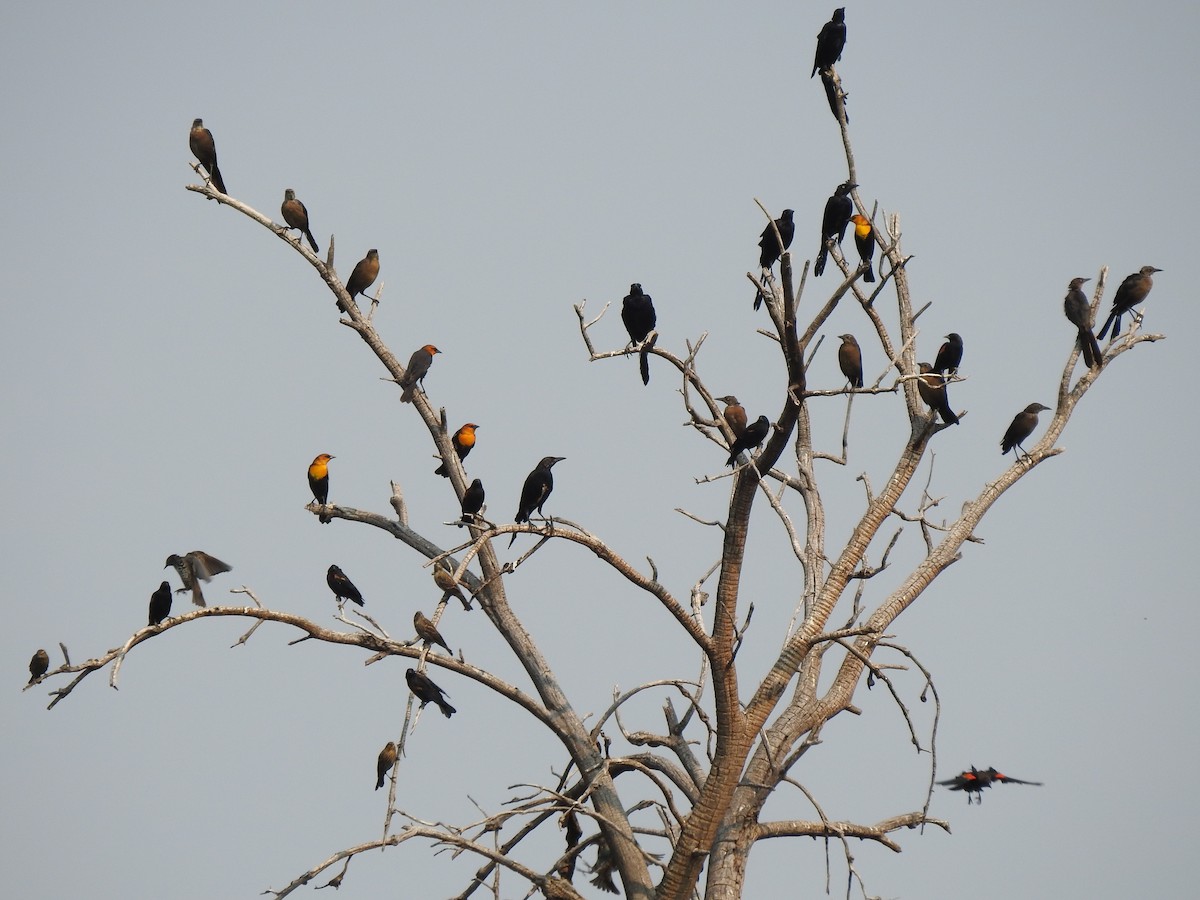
column 686, row 801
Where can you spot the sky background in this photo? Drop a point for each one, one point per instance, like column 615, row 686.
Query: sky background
column 170, row 369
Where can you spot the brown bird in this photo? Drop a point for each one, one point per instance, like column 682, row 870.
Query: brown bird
column 38, row 665
column 734, row 415
column 160, row 604
column 864, row 240
column 1021, row 428
column 296, row 216
column 570, row 822
column 364, row 275
column 1079, row 312
column 444, row 579
column 387, row 759
column 318, row 483
column 472, row 502
column 194, row 568
column 604, row 868
column 464, row 442
column 850, row 360
column 428, row 632
column 932, row 388
column 1133, row 290
column 418, row 366
column 343, row 588
column 428, row 692
column 204, row 149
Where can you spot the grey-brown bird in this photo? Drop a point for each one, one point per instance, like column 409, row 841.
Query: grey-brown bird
column 194, row 568
column 444, row 579
column 200, row 139
column 604, row 868
column 428, row 632
column 850, row 360
column 1079, row 312
column 295, row 214
column 932, row 388
column 1133, row 290
column 38, row 665
column 734, row 415
column 418, row 367
column 427, row 692
column 160, row 604
column 387, row 759
column 364, row 274
column 343, row 588
column 1021, row 428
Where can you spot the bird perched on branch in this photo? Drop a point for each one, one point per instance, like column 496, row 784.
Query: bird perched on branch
column 472, row 502
column 160, row 604
column 295, row 214
column 770, row 248
column 754, row 435
column 949, row 355
column 428, row 632
column 1133, row 290
column 343, row 588
column 1021, row 428
column 200, row 139
column 194, row 568
column 974, row 781
column 850, row 360
column 463, row 442
column 443, row 577
column 383, row 765
column 318, row 483
column 864, row 240
column 838, row 209
column 830, row 41
column 366, row 270
column 538, row 485
column 428, row 692
column 1079, row 312
column 734, row 415
column 637, row 312
column 418, row 367
column 932, row 388
column 38, row 665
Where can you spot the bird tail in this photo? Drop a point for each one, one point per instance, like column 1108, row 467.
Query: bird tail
column 379, row 783
column 197, row 593
column 758, row 299
column 219, row 183
column 869, row 275
column 644, row 363
column 819, row 266
column 407, row 396
column 312, row 240
column 323, row 516
column 1091, row 348
column 948, row 415
column 447, row 709
column 1113, row 316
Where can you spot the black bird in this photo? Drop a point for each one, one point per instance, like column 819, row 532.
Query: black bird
column 769, row 246
column 538, row 485
column 932, row 388
column 428, row 692
column 637, row 312
column 160, row 603
column 734, row 415
column 343, row 588
column 387, row 759
column 604, row 868
column 850, row 360
column 472, row 502
column 1021, row 428
column 830, row 41
column 194, row 568
column 418, row 368
column 366, row 270
column 1133, row 290
column 296, row 215
column 1079, row 311
column 974, row 781
column 754, row 435
column 38, row 665
column 949, row 355
column 200, row 139
column 864, row 240
column 838, row 210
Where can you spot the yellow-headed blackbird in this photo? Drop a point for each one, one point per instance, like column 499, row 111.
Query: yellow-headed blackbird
column 160, row 604
column 364, row 274
column 850, row 360
column 1021, row 428
column 295, row 214
column 38, row 665
column 734, row 414
column 418, row 366
column 603, row 869
column 769, row 247
column 318, row 483
column 204, row 149
column 343, row 588
column 194, row 568
column 830, row 41
column 463, row 441
column 949, row 355
column 637, row 312
column 864, row 240
column 1133, row 290
column 838, row 210
column 932, row 388
column 444, row 579
column 472, row 502
column 428, row 632
column 428, row 692
column 974, row 781
column 754, row 435
column 1079, row 312
column 387, row 759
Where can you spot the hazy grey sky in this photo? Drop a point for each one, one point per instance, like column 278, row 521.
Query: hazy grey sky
column 170, row 369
